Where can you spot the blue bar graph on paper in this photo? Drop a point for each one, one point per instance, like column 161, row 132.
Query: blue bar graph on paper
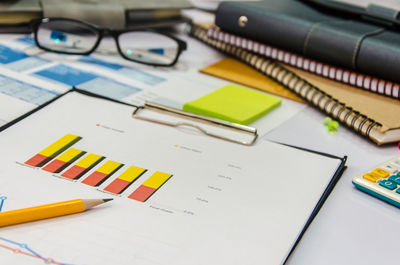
column 66, row 74
column 25, row 92
column 130, row 72
column 27, row 64
column 19, row 61
column 109, row 88
column 141, row 76
column 8, row 55
column 27, row 40
column 92, row 60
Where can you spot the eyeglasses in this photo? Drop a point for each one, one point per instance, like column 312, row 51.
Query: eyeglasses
column 69, row 36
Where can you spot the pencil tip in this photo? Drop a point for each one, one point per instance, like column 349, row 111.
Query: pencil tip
column 107, row 200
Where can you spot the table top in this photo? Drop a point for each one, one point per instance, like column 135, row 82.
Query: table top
column 352, row 227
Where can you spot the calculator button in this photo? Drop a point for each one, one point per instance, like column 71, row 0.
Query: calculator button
column 371, row 177
column 396, row 162
column 395, row 179
column 388, row 184
column 380, row 172
column 391, row 169
column 394, row 165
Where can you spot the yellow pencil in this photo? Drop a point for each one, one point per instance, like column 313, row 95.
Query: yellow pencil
column 48, row 211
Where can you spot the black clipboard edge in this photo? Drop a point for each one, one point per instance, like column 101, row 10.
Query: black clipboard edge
column 332, row 183
column 11, row 123
column 23, row 116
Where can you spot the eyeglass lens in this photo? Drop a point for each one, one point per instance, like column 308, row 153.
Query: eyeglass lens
column 78, row 38
column 148, row 47
column 66, row 36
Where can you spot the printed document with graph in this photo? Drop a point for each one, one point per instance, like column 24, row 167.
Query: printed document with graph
column 180, row 197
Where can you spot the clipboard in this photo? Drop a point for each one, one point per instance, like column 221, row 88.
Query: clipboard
column 220, row 129
column 210, row 189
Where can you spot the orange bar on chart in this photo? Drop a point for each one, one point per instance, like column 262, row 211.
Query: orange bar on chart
column 150, row 186
column 83, row 166
column 124, row 180
column 53, row 150
column 102, row 173
column 64, row 160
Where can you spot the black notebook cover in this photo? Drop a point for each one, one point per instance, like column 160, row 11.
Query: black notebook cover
column 319, row 33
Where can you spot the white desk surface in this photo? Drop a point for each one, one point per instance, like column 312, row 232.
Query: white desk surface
column 352, row 227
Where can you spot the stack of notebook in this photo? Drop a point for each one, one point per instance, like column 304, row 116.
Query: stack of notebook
column 341, row 64
column 16, row 15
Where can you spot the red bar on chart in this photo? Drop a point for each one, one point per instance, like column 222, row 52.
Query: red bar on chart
column 64, row 160
column 124, row 180
column 102, row 173
column 53, row 150
column 83, row 166
column 150, row 186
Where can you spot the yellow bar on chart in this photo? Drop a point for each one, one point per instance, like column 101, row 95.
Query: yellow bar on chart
column 150, row 186
column 69, row 155
column 131, row 173
column 83, row 166
column 102, row 173
column 156, row 180
column 59, row 145
column 47, row 154
column 88, row 161
column 125, row 180
column 64, row 160
column 109, row 167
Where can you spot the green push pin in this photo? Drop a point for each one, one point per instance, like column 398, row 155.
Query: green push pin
column 327, row 120
column 333, row 126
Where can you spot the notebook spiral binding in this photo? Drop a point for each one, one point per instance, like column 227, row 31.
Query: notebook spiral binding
column 372, row 84
column 312, row 94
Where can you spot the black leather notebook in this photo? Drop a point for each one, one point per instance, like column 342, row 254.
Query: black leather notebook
column 368, row 44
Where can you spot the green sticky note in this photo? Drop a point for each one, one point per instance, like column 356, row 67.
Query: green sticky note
column 233, row 103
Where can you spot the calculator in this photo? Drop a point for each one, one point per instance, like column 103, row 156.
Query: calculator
column 382, row 181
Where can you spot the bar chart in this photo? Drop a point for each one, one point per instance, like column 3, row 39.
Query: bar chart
column 102, row 173
column 83, row 166
column 94, row 170
column 125, row 180
column 53, row 150
column 68, row 157
column 150, row 186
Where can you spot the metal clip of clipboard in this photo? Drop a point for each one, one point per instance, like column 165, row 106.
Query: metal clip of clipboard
column 210, row 126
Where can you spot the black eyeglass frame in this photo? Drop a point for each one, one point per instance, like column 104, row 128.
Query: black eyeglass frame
column 101, row 32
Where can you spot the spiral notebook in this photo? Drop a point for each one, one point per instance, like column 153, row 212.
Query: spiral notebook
column 345, row 76
column 371, row 115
